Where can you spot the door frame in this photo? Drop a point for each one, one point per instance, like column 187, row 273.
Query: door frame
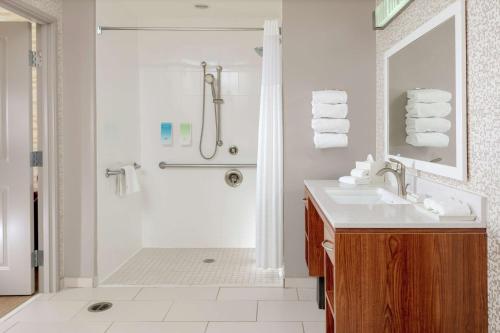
column 48, row 214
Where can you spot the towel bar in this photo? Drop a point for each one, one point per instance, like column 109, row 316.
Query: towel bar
column 112, row 172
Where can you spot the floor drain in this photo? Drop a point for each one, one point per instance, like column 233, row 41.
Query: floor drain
column 100, row 307
column 208, row 261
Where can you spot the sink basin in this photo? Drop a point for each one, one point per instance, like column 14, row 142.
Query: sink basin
column 374, row 196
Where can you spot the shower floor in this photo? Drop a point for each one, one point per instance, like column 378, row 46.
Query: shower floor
column 186, row 267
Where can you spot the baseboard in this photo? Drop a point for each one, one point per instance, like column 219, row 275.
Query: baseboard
column 308, row 282
column 78, row 282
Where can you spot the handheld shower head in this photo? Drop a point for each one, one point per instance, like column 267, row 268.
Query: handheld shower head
column 210, row 79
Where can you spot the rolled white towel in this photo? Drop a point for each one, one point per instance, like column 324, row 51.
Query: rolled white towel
column 438, row 140
column 330, row 140
column 423, row 125
column 423, row 110
column 360, row 173
column 354, row 180
column 429, row 95
column 327, row 125
column 324, row 110
column 447, row 207
column 329, row 96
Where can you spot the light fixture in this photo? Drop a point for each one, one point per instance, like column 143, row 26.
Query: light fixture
column 201, row 6
column 387, row 11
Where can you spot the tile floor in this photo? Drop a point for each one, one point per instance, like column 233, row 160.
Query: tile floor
column 184, row 267
column 171, row 310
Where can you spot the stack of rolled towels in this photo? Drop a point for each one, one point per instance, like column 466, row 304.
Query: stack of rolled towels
column 425, row 119
column 329, row 109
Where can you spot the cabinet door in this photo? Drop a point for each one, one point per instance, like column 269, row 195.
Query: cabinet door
column 315, row 238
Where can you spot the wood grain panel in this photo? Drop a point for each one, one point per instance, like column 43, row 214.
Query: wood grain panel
column 410, row 282
column 315, row 238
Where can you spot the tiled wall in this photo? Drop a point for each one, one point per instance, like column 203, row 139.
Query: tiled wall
column 483, row 114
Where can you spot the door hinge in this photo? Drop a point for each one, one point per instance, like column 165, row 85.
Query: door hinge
column 36, row 159
column 37, row 258
column 35, row 58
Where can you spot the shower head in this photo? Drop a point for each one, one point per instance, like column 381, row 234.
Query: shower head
column 259, row 50
column 210, row 79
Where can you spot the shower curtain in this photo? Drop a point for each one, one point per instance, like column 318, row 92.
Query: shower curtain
column 269, row 241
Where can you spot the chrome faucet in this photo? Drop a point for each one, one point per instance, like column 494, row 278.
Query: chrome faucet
column 399, row 172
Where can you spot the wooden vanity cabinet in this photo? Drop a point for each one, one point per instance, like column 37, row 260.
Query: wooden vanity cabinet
column 403, row 280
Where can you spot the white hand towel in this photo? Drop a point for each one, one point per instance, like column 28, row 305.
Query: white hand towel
column 130, row 180
column 421, row 110
column 323, row 110
column 438, row 140
column 329, row 96
column 447, row 207
column 423, row 125
column 325, row 125
column 429, row 95
column 330, row 140
column 360, row 173
column 354, row 180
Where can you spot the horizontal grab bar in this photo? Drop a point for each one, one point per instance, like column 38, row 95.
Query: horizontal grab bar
column 111, row 172
column 164, row 165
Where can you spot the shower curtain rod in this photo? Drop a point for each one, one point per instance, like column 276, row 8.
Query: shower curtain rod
column 100, row 29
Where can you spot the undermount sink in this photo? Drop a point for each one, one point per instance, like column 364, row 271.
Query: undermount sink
column 374, row 196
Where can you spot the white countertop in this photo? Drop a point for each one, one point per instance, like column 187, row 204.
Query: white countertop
column 374, row 216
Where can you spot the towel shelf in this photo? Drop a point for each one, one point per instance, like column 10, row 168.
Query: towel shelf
column 164, row 165
column 115, row 172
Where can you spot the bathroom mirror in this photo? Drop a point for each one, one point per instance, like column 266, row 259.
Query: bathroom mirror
column 425, row 96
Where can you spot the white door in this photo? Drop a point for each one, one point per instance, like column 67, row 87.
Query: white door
column 16, row 213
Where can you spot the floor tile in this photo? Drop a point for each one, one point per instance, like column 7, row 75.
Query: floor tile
column 48, row 311
column 307, row 294
column 314, row 327
column 258, row 294
column 61, row 327
column 213, row 311
column 90, row 294
column 181, row 293
column 255, row 327
column 300, row 282
column 163, row 327
column 127, row 311
column 289, row 311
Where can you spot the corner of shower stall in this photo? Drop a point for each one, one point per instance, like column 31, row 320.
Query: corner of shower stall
column 187, row 225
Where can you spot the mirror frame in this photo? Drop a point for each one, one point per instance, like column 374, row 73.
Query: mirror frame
column 459, row 171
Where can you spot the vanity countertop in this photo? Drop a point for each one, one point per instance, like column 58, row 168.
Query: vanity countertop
column 375, row 215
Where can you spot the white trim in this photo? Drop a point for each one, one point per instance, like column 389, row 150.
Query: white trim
column 17, row 309
column 459, row 172
column 48, row 176
column 78, row 282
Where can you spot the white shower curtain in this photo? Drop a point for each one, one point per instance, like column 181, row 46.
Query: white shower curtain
column 269, row 241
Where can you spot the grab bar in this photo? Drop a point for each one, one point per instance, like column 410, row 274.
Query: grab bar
column 164, row 165
column 111, row 172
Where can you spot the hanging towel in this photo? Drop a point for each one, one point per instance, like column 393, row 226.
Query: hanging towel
column 330, row 140
column 429, row 95
column 326, row 125
column 438, row 140
column 129, row 181
column 423, row 125
column 360, row 173
column 329, row 96
column 422, row 110
column 323, row 110
column 354, row 180
column 447, row 207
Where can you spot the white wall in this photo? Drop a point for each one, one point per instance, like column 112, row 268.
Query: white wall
column 195, row 207
column 119, row 230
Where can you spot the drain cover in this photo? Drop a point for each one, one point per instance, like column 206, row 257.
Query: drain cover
column 208, row 261
column 99, row 307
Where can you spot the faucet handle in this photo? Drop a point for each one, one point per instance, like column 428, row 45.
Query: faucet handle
column 400, row 165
